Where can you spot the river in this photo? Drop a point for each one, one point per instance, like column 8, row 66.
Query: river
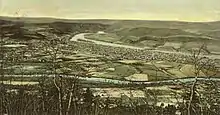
column 81, row 36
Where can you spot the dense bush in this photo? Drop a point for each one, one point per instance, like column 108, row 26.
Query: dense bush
column 43, row 99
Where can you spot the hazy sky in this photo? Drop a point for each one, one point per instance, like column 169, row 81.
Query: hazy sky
column 186, row 10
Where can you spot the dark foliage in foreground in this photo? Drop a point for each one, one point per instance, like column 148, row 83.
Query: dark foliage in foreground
column 43, row 99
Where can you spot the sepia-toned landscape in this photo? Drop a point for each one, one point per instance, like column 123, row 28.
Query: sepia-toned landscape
column 109, row 57
column 109, row 67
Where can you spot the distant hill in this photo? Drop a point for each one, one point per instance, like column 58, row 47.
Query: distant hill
column 77, row 27
column 165, row 24
column 31, row 28
column 125, row 31
column 175, row 38
column 51, row 20
column 160, row 32
column 211, row 33
column 116, row 24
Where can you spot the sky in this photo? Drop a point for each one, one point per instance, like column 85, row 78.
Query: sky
column 181, row 10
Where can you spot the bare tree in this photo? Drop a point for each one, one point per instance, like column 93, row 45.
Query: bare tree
column 2, row 66
column 200, row 64
column 53, row 46
column 2, row 70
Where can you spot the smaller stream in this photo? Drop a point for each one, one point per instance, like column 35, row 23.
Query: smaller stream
column 105, row 80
